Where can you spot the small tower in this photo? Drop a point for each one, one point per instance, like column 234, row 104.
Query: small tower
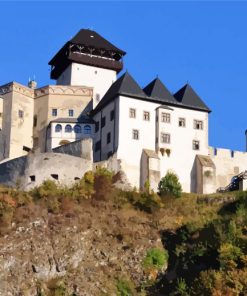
column 89, row 60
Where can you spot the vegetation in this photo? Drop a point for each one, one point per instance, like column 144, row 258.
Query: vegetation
column 170, row 185
column 155, row 259
column 204, row 237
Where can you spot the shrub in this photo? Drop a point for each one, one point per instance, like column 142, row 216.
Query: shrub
column 84, row 189
column 102, row 183
column 181, row 288
column 125, row 288
column 156, row 258
column 170, row 185
column 228, row 255
column 46, row 189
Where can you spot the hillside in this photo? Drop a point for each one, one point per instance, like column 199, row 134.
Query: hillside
column 94, row 239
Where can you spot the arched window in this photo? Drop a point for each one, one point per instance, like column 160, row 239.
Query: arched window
column 68, row 128
column 87, row 129
column 77, row 129
column 58, row 128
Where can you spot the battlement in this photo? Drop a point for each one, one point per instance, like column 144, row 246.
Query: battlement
column 227, row 153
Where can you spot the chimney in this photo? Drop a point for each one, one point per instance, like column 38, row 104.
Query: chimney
column 32, row 84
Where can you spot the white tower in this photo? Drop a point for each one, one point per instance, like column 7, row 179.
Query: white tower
column 88, row 60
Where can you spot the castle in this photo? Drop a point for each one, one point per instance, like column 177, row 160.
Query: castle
column 144, row 132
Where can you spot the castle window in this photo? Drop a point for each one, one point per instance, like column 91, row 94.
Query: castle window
column 77, row 129
column 96, row 126
column 132, row 113
column 232, row 153
column 21, row 114
column 58, row 128
column 68, row 128
column 54, row 112
column 196, row 145
column 87, row 129
column 135, row 134
column 198, row 124
column 108, row 138
column 97, row 146
column 1, row 114
column 35, row 120
column 102, row 121
column 165, row 138
column 71, row 112
column 181, row 122
column 146, row 115
column 112, row 115
column 165, row 117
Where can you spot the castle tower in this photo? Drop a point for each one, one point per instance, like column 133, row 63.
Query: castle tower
column 87, row 60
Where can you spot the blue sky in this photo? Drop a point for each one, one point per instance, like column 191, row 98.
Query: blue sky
column 203, row 43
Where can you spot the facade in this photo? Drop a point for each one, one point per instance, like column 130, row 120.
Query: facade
column 144, row 132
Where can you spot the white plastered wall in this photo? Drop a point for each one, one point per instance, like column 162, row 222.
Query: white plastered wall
column 98, row 78
column 182, row 156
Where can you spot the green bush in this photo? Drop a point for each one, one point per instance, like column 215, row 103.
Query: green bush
column 125, row 288
column 228, row 255
column 155, row 259
column 170, row 185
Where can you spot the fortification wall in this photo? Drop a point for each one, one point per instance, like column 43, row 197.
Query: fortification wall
column 32, row 170
column 82, row 148
column 228, row 163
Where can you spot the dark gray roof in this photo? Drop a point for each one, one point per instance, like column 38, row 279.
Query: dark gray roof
column 81, row 119
column 186, row 96
column 126, row 86
column 157, row 90
column 93, row 39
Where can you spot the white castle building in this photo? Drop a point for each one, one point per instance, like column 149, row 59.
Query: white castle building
column 143, row 131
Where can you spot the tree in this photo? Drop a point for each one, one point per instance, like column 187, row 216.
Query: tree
column 170, row 185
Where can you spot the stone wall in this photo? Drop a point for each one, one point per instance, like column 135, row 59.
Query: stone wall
column 81, row 148
column 32, row 170
column 228, row 163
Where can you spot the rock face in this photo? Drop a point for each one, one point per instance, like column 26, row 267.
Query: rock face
column 87, row 250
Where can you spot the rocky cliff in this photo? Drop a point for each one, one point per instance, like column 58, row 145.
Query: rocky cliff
column 83, row 251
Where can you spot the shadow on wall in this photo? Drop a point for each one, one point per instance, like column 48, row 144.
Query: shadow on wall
column 193, row 177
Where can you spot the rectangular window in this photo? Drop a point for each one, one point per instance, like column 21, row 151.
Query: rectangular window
column 135, row 134
column 198, row 124
column 1, row 114
column 96, row 126
column 132, row 113
column 71, row 112
column 102, row 121
column 35, row 119
column 21, row 114
column 165, row 138
column 112, row 115
column 108, row 138
column 181, row 122
column 196, row 145
column 146, row 115
column 54, row 112
column 97, row 146
column 165, row 117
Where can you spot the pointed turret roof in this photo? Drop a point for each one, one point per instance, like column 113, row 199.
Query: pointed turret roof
column 157, row 90
column 126, row 86
column 186, row 96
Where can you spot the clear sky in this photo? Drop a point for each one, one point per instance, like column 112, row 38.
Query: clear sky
column 203, row 43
